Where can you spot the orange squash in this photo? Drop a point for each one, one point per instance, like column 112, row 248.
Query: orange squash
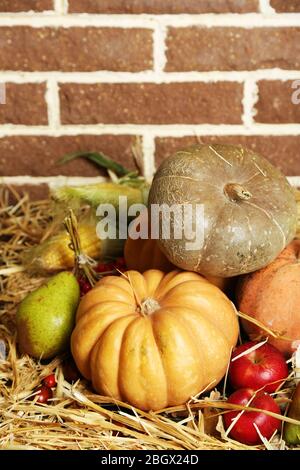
column 272, row 296
column 142, row 254
column 154, row 339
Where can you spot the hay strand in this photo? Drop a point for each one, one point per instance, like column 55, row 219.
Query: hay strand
column 76, row 418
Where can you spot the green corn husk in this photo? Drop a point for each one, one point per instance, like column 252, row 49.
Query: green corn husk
column 99, row 159
column 124, row 183
column 101, row 193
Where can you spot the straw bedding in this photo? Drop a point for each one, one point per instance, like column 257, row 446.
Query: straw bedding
column 76, row 418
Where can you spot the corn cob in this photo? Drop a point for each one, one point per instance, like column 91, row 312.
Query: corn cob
column 55, row 253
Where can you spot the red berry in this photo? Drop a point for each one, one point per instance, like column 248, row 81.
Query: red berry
column 43, row 394
column 84, row 286
column 121, row 263
column 101, row 268
column 70, row 371
column 105, row 268
column 110, row 267
column 49, row 381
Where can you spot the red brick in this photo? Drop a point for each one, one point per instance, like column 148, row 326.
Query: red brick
column 275, row 103
column 200, row 48
column 25, row 104
column 38, row 156
column 75, row 49
column 163, row 6
column 286, row 6
column 25, row 5
column 148, row 103
column 282, row 151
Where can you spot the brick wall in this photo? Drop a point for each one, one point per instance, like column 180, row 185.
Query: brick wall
column 93, row 74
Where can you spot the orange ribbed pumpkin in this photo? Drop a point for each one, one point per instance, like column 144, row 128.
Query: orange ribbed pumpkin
column 272, row 296
column 154, row 339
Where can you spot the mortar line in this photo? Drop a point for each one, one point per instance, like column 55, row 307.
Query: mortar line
column 265, row 7
column 60, row 7
column 247, row 20
column 149, row 76
column 56, row 181
column 52, row 181
column 66, row 6
column 159, row 48
column 157, row 130
column 148, row 154
column 250, row 98
column 53, row 104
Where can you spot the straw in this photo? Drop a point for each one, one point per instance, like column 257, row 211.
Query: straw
column 76, row 418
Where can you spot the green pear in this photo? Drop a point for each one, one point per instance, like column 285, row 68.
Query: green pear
column 46, row 317
column 291, row 432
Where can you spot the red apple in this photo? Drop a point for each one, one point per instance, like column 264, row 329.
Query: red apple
column 244, row 430
column 265, row 367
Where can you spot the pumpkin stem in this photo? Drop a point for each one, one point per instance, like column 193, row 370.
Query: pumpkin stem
column 236, row 192
column 149, row 306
